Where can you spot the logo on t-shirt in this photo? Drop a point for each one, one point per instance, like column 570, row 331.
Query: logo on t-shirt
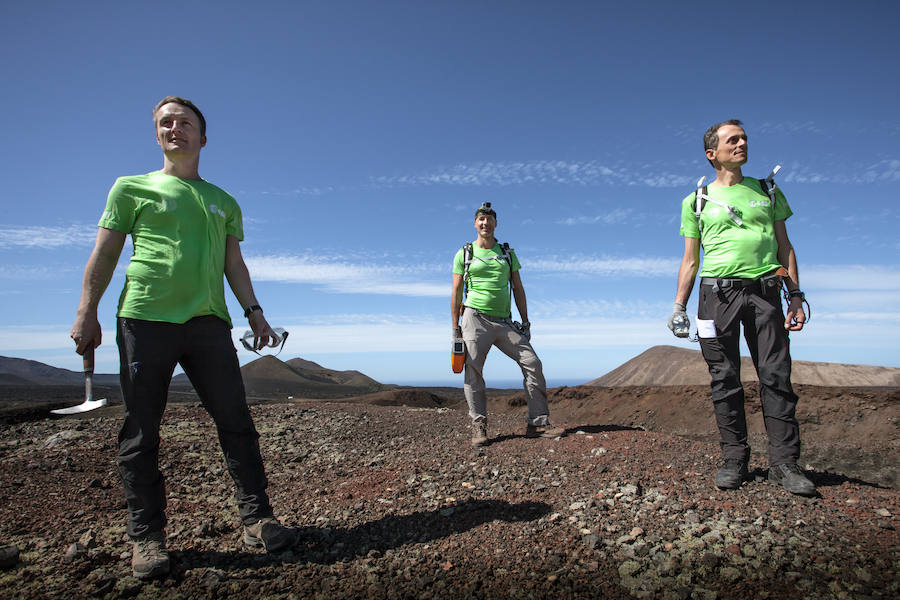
column 765, row 202
column 216, row 210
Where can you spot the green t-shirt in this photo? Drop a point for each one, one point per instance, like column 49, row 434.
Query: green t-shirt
column 488, row 288
column 749, row 250
column 178, row 227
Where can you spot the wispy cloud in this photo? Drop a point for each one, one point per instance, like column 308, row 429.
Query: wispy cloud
column 606, row 266
column 613, row 217
column 338, row 275
column 886, row 170
column 35, row 272
column 789, row 127
column 559, row 172
column 31, row 236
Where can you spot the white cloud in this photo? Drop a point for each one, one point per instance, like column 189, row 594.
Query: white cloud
column 30, row 236
column 579, row 173
column 607, row 266
column 339, row 276
column 613, row 217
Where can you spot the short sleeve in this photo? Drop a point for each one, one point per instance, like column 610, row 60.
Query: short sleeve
column 514, row 260
column 234, row 225
column 458, row 263
column 120, row 211
column 782, row 209
column 689, row 227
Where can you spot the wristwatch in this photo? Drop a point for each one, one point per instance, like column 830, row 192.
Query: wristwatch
column 251, row 308
column 797, row 294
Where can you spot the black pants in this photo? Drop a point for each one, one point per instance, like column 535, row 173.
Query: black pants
column 148, row 353
column 758, row 306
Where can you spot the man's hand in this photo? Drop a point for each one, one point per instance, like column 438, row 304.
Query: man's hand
column 262, row 333
column 86, row 332
column 679, row 324
column 795, row 317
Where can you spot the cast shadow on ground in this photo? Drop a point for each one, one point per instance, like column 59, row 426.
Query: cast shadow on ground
column 328, row 546
column 588, row 429
column 820, row 479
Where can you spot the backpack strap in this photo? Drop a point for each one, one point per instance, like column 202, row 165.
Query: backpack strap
column 701, row 197
column 468, row 253
column 768, row 185
column 507, row 254
column 469, row 257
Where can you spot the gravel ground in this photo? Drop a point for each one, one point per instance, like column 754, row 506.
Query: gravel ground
column 390, row 502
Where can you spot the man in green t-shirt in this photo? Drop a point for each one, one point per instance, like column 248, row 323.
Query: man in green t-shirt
column 186, row 234
column 487, row 321
column 747, row 257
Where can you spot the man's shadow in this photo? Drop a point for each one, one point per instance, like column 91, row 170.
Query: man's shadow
column 588, row 429
column 328, row 546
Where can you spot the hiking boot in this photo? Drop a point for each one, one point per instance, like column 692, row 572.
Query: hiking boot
column 547, row 431
column 479, row 434
column 792, row 479
column 149, row 558
column 268, row 533
column 730, row 475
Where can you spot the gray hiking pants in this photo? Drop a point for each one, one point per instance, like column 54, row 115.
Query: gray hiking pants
column 480, row 332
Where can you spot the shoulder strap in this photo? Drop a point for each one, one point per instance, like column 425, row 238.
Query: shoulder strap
column 467, row 260
column 700, row 199
column 768, row 185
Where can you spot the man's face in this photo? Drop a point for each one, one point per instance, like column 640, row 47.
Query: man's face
column 732, row 149
column 178, row 129
column 485, row 225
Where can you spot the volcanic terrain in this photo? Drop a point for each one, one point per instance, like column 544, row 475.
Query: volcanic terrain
column 390, row 501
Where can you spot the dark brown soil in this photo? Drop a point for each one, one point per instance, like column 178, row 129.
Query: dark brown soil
column 391, row 502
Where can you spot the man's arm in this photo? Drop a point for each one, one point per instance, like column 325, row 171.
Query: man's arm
column 239, row 279
column 795, row 317
column 519, row 295
column 456, row 293
column 687, row 273
column 679, row 323
column 98, row 272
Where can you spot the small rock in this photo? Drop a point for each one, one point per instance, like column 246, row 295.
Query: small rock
column 74, row 552
column 733, row 549
column 629, row 568
column 883, row 512
column 87, row 539
column 128, row 587
column 212, row 577
column 63, row 436
column 636, row 532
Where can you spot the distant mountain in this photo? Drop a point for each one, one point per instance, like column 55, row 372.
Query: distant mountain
column 21, row 371
column 268, row 376
column 670, row 365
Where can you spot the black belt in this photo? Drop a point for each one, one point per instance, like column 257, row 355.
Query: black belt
column 721, row 283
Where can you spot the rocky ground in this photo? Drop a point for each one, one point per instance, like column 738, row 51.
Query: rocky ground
column 390, row 502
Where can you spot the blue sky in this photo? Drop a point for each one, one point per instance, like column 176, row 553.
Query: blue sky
column 359, row 137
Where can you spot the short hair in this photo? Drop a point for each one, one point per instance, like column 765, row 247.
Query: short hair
column 711, row 137
column 183, row 102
